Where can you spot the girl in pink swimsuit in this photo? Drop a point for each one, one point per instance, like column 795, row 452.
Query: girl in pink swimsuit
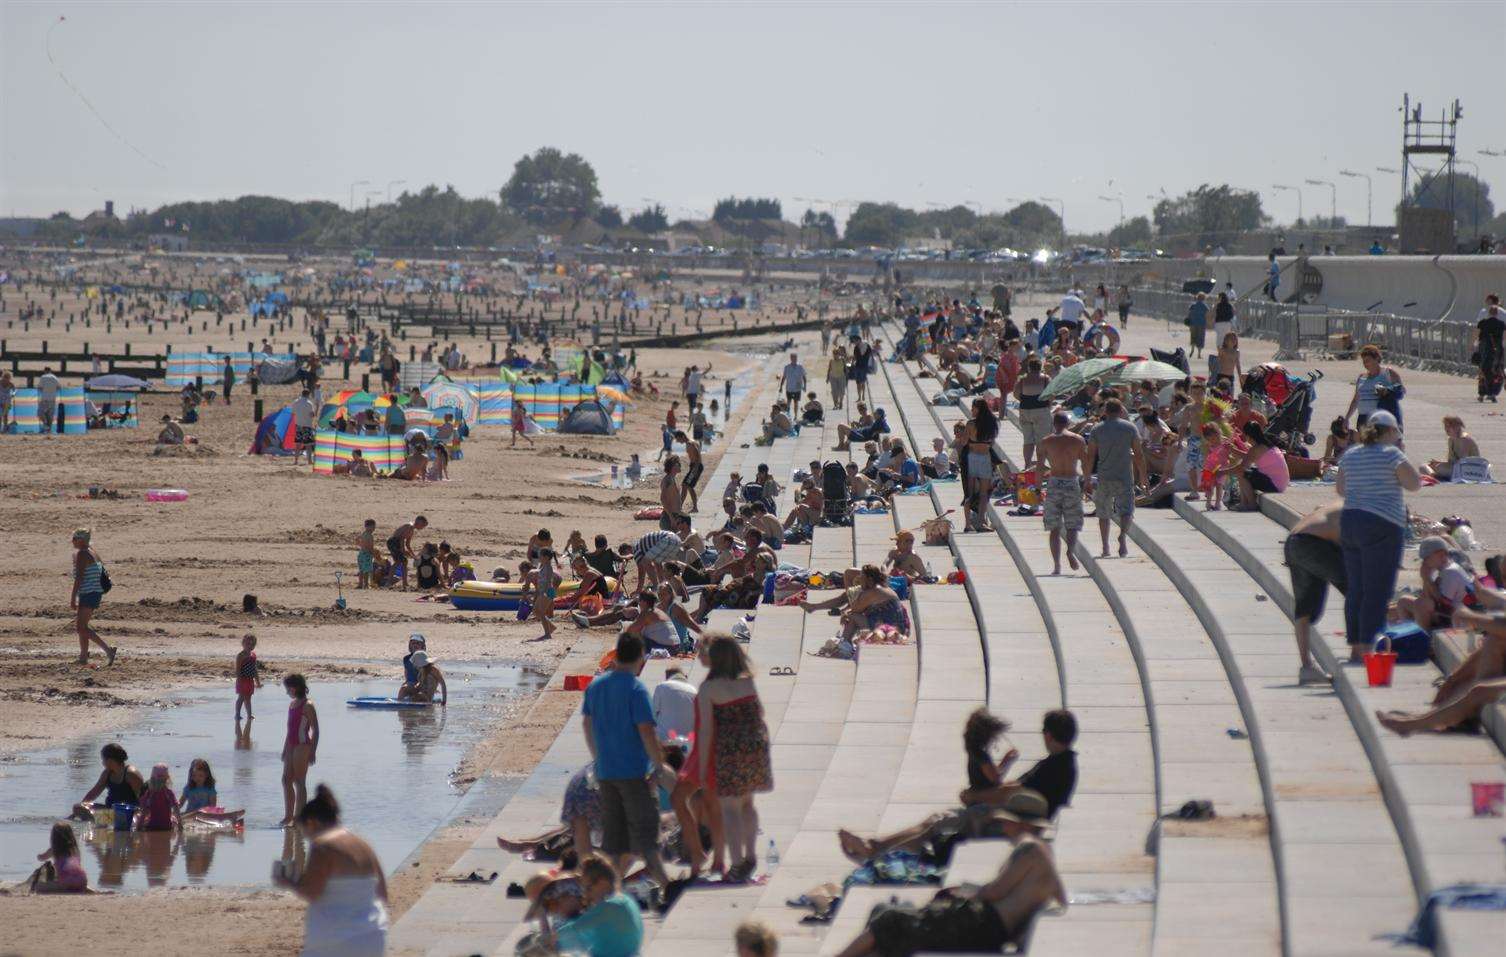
column 298, row 747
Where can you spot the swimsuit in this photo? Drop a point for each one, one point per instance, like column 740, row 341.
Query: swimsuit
column 245, row 676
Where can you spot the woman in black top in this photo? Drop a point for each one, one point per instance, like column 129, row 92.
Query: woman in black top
column 980, row 435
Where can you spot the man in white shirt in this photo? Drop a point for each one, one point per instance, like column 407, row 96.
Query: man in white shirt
column 1072, row 309
column 47, row 399
column 674, row 706
column 793, row 381
column 303, row 426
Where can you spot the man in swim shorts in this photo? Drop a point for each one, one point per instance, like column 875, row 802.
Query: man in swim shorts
column 1035, row 410
column 400, row 545
column 1063, row 452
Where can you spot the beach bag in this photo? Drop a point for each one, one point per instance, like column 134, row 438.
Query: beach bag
column 105, row 584
column 937, row 531
column 1472, row 468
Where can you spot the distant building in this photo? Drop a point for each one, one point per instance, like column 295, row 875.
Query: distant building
column 110, row 209
column 168, row 242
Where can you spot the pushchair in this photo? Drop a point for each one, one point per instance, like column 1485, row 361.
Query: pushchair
column 834, row 492
column 1289, row 399
column 1177, row 358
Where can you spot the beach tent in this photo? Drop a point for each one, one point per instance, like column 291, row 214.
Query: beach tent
column 200, row 299
column 587, row 418
column 442, row 393
column 275, row 434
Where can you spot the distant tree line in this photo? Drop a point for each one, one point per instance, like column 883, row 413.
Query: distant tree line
column 553, row 190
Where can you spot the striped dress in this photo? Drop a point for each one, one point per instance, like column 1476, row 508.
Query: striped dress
column 1370, row 485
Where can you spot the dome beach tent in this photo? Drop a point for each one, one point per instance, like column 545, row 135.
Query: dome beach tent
column 588, row 418
column 276, row 434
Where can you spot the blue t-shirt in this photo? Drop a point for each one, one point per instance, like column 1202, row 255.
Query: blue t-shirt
column 612, row 927
column 617, row 703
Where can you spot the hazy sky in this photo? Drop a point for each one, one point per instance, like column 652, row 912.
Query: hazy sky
column 684, row 103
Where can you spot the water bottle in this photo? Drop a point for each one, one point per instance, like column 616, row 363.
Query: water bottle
column 773, row 856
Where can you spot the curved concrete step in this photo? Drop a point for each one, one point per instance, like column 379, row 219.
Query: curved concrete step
column 1425, row 779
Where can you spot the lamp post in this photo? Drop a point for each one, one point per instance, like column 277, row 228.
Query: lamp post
column 1369, row 194
column 359, row 182
column 1333, row 198
column 1292, row 189
column 1118, row 198
column 1062, row 207
column 396, row 182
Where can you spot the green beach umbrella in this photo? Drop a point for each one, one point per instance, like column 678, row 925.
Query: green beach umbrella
column 1073, row 377
column 1142, row 369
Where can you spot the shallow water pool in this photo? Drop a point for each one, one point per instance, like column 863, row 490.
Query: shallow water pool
column 390, row 770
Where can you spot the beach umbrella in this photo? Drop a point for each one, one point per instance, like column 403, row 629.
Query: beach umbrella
column 452, row 395
column 116, row 382
column 1142, row 369
column 1073, row 377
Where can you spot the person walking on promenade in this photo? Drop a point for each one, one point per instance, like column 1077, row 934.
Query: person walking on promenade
column 1372, row 527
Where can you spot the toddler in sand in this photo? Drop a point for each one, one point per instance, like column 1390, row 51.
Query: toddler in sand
column 247, row 676
column 366, row 554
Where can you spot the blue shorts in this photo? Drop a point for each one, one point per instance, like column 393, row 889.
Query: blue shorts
column 90, row 599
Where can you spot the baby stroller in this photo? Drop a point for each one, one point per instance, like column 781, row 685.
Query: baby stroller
column 1291, row 398
column 1177, row 358
column 834, row 491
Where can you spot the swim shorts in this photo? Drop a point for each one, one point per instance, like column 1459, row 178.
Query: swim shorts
column 1063, row 504
column 1113, row 497
column 365, row 562
column 90, row 599
column 245, row 687
column 1035, row 424
column 304, row 436
column 1314, row 563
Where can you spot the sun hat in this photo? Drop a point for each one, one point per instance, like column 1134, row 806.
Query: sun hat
column 1381, row 419
column 1431, row 546
column 421, row 659
column 418, row 638
column 905, row 534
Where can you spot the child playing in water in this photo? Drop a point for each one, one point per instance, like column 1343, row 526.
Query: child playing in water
column 366, row 553
column 247, row 676
column 62, row 870
column 159, row 805
column 200, row 800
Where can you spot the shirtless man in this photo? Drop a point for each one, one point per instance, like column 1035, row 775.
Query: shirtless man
column 400, row 545
column 693, row 468
column 670, row 494
column 1035, row 412
column 1063, row 451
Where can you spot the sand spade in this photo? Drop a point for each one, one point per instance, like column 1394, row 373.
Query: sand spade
column 339, row 592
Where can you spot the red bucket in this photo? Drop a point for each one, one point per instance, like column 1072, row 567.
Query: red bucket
column 1378, row 667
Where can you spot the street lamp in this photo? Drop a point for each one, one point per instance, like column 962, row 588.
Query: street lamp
column 1333, row 199
column 1369, row 193
column 359, row 182
column 396, row 182
column 1292, row 189
column 1119, row 198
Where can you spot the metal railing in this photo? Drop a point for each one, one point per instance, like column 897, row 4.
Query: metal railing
column 1445, row 346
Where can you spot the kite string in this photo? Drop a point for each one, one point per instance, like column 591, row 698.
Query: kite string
column 85, row 100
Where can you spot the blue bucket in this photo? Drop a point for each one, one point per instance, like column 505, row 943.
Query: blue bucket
column 901, row 586
column 124, row 814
